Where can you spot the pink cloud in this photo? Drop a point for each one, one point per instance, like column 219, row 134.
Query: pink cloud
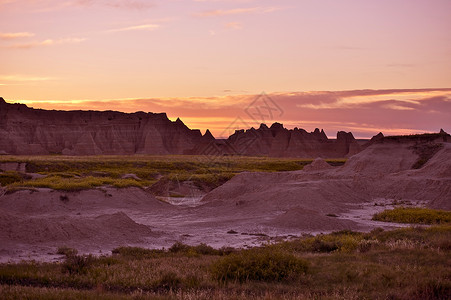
column 237, row 11
column 47, row 42
column 15, row 35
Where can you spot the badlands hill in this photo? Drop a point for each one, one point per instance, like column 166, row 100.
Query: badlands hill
column 28, row 131
column 278, row 141
column 249, row 209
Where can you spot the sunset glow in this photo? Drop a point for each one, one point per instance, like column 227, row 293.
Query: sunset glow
column 387, row 64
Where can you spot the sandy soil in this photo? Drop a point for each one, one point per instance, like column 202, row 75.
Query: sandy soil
column 250, row 209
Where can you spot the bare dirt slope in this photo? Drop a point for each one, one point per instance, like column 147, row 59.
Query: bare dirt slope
column 249, row 209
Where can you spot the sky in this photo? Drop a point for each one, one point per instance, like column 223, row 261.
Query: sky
column 356, row 65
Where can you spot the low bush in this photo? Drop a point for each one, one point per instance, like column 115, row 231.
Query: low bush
column 168, row 281
column 137, row 252
column 259, row 264
column 341, row 241
column 201, row 249
column 67, row 251
column 77, row 264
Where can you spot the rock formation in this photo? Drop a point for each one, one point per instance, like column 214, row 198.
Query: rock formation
column 281, row 142
column 27, row 131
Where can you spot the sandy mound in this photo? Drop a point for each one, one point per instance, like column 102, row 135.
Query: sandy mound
column 166, row 188
column 439, row 165
column 380, row 159
column 310, row 220
column 281, row 200
column 50, row 201
column 392, row 179
column 118, row 228
column 303, row 199
column 318, row 164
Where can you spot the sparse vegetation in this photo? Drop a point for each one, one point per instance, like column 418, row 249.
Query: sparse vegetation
column 67, row 251
column 414, row 215
column 407, row 263
column 72, row 173
column 10, row 177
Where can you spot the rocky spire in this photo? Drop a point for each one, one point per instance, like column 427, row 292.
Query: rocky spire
column 208, row 135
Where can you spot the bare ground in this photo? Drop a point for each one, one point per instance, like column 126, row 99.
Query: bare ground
column 248, row 210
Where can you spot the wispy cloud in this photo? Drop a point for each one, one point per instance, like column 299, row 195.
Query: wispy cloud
column 42, row 6
column 234, row 25
column 15, row 35
column 47, row 42
column 148, row 27
column 23, row 78
column 131, row 4
column 238, row 11
column 389, row 99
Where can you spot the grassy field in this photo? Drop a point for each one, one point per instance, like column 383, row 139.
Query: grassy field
column 409, row 263
column 414, row 215
column 76, row 173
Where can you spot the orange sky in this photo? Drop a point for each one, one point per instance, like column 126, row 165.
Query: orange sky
column 206, row 60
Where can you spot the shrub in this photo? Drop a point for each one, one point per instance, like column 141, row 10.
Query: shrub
column 77, row 264
column 169, row 281
column 342, row 241
column 204, row 249
column 136, row 252
column 179, row 247
column 432, row 290
column 67, row 251
column 259, row 264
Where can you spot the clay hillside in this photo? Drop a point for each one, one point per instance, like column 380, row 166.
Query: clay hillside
column 28, row 131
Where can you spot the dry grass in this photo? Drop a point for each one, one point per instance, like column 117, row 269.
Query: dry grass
column 409, row 263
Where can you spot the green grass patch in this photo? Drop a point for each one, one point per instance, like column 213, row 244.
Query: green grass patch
column 76, row 184
column 414, row 215
column 73, row 173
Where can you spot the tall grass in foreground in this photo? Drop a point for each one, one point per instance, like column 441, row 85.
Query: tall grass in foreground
column 414, row 215
column 408, row 263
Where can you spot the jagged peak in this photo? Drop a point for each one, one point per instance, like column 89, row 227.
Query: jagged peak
column 343, row 135
column 208, row 135
column 263, row 126
column 377, row 137
column 180, row 123
column 277, row 125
